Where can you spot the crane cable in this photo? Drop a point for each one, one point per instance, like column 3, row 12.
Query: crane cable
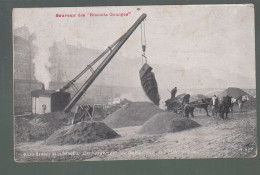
column 143, row 41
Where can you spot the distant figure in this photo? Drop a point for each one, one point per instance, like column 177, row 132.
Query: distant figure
column 214, row 108
column 44, row 108
column 187, row 108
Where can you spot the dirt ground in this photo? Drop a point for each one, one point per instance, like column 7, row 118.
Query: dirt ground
column 216, row 138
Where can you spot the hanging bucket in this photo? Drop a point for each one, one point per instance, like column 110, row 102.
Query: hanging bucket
column 149, row 83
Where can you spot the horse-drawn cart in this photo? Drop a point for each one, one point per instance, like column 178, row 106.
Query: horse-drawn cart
column 188, row 108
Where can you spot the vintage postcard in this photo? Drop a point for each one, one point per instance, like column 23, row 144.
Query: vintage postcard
column 134, row 83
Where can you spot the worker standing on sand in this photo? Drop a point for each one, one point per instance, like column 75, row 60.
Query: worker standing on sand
column 173, row 93
column 185, row 105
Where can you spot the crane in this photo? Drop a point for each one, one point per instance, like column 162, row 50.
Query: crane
column 110, row 52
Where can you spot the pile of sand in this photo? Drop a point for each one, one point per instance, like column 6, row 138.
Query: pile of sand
column 42, row 126
column 134, row 114
column 233, row 92
column 22, row 130
column 83, row 132
column 167, row 122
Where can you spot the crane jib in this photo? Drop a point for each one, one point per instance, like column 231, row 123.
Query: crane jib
column 99, row 69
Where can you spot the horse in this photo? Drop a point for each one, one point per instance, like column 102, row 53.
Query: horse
column 240, row 101
column 190, row 106
column 233, row 101
column 188, row 109
column 224, row 107
column 203, row 104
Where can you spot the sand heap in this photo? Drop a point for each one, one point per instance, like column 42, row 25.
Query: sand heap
column 134, row 114
column 42, row 126
column 22, row 130
column 167, row 122
column 83, row 132
column 234, row 92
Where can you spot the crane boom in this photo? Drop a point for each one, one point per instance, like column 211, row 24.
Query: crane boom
column 100, row 68
column 70, row 83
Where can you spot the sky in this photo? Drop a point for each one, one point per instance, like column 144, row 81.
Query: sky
column 219, row 38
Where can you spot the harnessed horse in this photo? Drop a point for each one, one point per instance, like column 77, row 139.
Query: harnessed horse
column 240, row 101
column 190, row 106
column 224, row 107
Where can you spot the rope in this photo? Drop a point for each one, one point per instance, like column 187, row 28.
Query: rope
column 144, row 34
column 141, row 34
column 143, row 41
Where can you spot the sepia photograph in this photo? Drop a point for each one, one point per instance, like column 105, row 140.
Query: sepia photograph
column 134, row 83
